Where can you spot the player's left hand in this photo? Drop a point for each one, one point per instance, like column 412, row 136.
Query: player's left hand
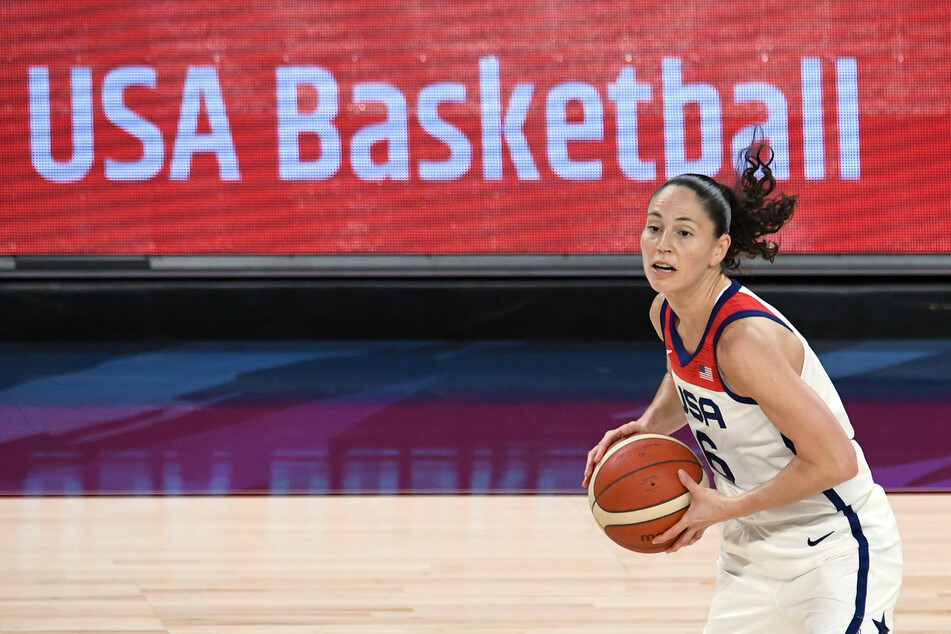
column 706, row 509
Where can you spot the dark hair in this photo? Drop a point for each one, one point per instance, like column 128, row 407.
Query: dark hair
column 746, row 211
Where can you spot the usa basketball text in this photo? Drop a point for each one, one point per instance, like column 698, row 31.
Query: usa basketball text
column 494, row 126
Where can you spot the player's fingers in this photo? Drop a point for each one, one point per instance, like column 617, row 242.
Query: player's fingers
column 611, row 436
column 694, row 538
column 589, row 465
column 674, row 546
column 687, row 480
column 688, row 537
column 597, row 453
column 672, row 532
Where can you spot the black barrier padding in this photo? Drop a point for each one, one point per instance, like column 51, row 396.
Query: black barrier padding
column 446, row 308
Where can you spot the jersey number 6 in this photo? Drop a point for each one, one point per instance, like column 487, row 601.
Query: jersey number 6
column 716, row 463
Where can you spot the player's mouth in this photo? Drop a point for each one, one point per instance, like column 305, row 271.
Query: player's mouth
column 663, row 268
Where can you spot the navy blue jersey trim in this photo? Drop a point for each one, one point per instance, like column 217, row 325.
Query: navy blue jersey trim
column 861, row 584
column 740, row 314
column 789, row 443
column 837, row 501
column 664, row 310
column 686, row 357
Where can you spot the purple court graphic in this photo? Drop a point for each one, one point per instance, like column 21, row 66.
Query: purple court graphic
column 393, row 416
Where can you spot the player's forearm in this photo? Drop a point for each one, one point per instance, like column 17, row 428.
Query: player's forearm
column 797, row 481
column 664, row 415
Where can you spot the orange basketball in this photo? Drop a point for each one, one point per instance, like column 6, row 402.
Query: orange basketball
column 635, row 493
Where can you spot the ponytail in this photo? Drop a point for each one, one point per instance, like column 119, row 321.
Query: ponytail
column 755, row 214
column 746, row 212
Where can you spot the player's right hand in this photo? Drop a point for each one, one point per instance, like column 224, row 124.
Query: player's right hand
column 594, row 456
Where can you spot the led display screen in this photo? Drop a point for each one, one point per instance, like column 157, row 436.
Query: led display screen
column 356, row 127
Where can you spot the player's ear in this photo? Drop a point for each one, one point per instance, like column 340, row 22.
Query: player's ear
column 720, row 249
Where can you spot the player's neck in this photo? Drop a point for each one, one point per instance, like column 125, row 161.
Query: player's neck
column 694, row 305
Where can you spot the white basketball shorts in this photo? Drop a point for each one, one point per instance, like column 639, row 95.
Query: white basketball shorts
column 838, row 575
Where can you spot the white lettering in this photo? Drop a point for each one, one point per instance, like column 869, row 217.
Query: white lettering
column 392, row 132
column 560, row 131
column 460, row 150
column 121, row 116
column 41, row 142
column 202, row 86
column 493, row 129
column 676, row 95
column 503, row 126
column 626, row 93
column 813, row 137
column 847, row 91
column 292, row 123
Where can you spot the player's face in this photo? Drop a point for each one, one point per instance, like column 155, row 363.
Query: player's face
column 678, row 243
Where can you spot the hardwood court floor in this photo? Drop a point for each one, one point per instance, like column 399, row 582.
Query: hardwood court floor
column 377, row 564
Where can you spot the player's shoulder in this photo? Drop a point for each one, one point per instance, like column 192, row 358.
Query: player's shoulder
column 757, row 343
column 655, row 315
column 749, row 334
column 747, row 318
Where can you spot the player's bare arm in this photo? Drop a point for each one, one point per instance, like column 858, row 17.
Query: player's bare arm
column 761, row 359
column 664, row 415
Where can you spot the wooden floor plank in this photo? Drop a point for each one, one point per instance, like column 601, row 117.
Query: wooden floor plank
column 377, row 564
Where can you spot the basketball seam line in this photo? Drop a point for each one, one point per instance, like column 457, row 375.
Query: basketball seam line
column 654, row 464
column 604, row 518
column 652, row 519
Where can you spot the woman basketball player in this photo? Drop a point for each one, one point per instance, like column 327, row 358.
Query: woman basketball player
column 808, row 540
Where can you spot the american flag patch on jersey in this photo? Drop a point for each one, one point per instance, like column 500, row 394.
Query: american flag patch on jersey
column 706, row 372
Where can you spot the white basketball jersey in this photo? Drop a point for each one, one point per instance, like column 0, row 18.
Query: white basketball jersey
column 742, row 447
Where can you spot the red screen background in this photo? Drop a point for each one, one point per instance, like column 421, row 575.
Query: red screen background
column 898, row 204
